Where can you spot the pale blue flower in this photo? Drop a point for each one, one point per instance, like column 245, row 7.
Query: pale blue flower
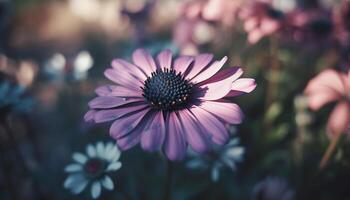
column 58, row 67
column 93, row 169
column 12, row 98
column 220, row 157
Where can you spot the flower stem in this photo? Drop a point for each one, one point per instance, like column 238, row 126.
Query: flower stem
column 274, row 72
column 6, row 169
column 168, row 180
column 272, row 77
column 14, row 145
column 330, row 149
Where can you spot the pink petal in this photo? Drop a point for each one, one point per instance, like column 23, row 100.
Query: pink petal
column 242, row 86
column 104, row 90
column 144, row 60
column 219, row 89
column 339, row 119
column 153, row 136
column 164, row 59
column 175, row 144
column 125, row 125
column 182, row 63
column 250, row 24
column 214, row 9
column 195, row 136
column 211, row 125
column 255, row 35
column 223, row 74
column 120, row 91
column 200, row 62
column 269, row 26
column 229, row 112
column 113, row 114
column 319, row 98
column 346, row 81
column 89, row 116
column 134, row 136
column 122, row 65
column 129, row 141
column 330, row 79
column 123, row 78
column 106, row 102
column 210, row 71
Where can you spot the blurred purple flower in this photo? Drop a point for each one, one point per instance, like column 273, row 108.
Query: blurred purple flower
column 183, row 35
column 197, row 24
column 313, row 26
column 341, row 17
column 273, row 188
column 168, row 103
column 221, row 11
column 260, row 20
column 139, row 13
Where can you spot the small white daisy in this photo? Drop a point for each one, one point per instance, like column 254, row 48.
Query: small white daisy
column 93, row 169
column 226, row 156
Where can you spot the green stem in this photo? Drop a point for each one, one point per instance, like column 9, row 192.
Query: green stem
column 168, row 180
column 330, row 150
column 272, row 79
column 6, row 169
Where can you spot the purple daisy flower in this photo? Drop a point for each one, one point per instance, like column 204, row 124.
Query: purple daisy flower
column 166, row 104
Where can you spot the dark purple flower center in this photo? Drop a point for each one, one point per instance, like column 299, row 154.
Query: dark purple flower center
column 167, row 90
column 321, row 27
column 94, row 168
column 274, row 14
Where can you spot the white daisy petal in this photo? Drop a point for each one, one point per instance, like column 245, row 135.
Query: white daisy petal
column 100, row 149
column 233, row 142
column 68, row 182
column 108, row 147
column 229, row 162
column 91, row 151
column 73, row 168
column 114, row 166
column 107, row 183
column 114, row 154
column 72, row 179
column 80, row 158
column 235, row 153
column 196, row 163
column 96, row 189
column 215, row 173
column 79, row 186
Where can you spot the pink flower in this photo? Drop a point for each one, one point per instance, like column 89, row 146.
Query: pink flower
column 341, row 17
column 183, row 35
column 166, row 104
column 195, row 27
column 327, row 87
column 260, row 19
column 221, row 11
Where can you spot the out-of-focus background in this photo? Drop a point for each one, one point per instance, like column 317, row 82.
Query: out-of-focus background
column 53, row 54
